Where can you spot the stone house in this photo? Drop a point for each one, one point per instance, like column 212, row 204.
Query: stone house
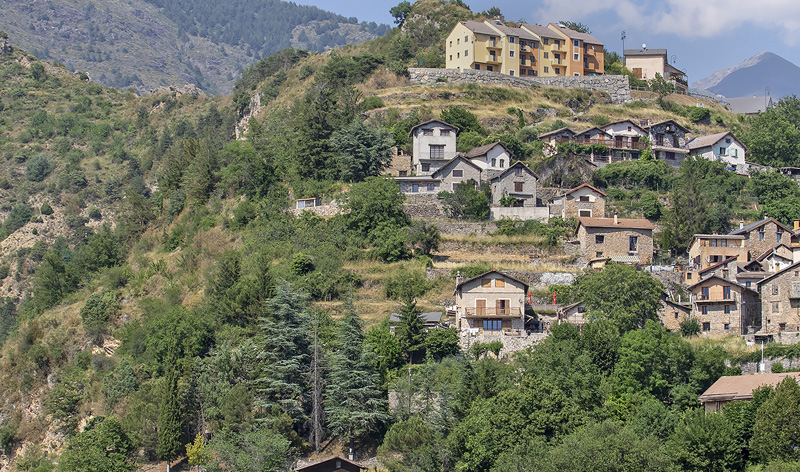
column 494, row 156
column 490, row 302
column 623, row 240
column 668, row 141
column 517, row 181
column 762, row 235
column 721, row 269
column 581, row 201
column 574, row 313
column 434, row 143
column 419, row 184
column 724, row 307
column 706, row 250
column 627, row 140
column 553, row 138
column 739, row 388
column 400, row 165
column 457, row 170
column 721, row 147
column 747, row 273
column 776, row 258
column 672, row 314
column 780, row 301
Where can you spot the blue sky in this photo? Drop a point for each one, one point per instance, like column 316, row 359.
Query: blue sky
column 703, row 35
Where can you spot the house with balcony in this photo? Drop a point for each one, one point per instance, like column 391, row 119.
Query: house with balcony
column 646, row 63
column 668, row 141
column 553, row 53
column 780, row 304
column 622, row 240
column 585, row 54
column 434, row 144
column 492, row 46
column 762, row 235
column 627, row 141
column 490, row 303
column 721, row 147
column 724, row 307
column 552, row 139
column 706, row 250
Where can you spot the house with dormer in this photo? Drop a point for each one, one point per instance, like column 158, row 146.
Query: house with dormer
column 434, row 144
column 492, row 302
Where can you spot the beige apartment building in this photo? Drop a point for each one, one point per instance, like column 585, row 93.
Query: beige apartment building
column 646, row 63
column 584, row 53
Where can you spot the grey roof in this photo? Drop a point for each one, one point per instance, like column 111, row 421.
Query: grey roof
column 785, row 269
column 752, row 226
column 516, row 164
column 645, row 52
column 542, row 31
column 521, row 33
column 593, row 128
column 710, row 140
column 479, row 27
column 444, row 166
column 749, row 105
column 572, row 34
column 454, row 127
column 544, row 135
column 683, row 128
column 724, row 280
column 482, row 150
column 430, row 317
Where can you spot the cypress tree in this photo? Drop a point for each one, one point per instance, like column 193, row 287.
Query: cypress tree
column 411, row 331
column 282, row 386
column 170, row 420
column 354, row 403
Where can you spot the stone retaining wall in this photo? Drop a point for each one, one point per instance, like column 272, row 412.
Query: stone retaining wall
column 511, row 344
column 788, row 363
column 520, row 213
column 465, row 229
column 617, row 86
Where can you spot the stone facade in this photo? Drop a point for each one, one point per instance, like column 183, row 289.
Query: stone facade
column 517, row 181
column 609, row 240
column 492, row 302
column 457, row 171
column 584, row 201
column 616, row 86
column 763, row 235
column 723, row 307
column 511, row 343
column 672, row 314
column 400, row 166
column 668, row 141
column 780, row 301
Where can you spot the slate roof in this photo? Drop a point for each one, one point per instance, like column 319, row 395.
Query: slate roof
column 645, row 52
column 710, row 140
column 740, row 387
column 489, row 272
column 430, row 317
column 542, row 31
column 629, row 223
column 560, row 130
column 330, row 459
column 456, row 128
column 444, row 166
column 482, row 150
column 516, row 164
column 752, row 226
column 479, row 27
column 572, row 34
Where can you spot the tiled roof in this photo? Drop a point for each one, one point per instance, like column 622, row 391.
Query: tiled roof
column 631, row 223
column 516, row 164
column 585, row 185
column 542, row 31
column 482, row 150
column 489, row 272
column 740, row 387
column 625, row 259
column 444, row 166
column 710, row 140
column 572, row 34
column 479, row 27
column 456, row 128
column 560, row 130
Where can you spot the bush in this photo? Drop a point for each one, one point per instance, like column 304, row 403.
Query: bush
column 177, row 200
column 94, row 213
column 46, row 209
column 4, row 271
column 301, row 264
column 690, row 327
column 99, row 308
column 698, row 114
column 38, row 168
column 373, row 102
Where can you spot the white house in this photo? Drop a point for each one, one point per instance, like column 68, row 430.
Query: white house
column 721, row 147
column 434, row 144
column 494, row 156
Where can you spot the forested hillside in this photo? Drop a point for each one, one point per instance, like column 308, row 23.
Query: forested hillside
column 162, row 301
column 144, row 45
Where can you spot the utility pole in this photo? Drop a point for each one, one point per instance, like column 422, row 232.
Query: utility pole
column 623, row 36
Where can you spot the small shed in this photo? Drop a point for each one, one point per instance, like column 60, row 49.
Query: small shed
column 333, row 464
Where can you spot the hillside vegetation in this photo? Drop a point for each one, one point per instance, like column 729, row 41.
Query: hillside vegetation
column 162, row 302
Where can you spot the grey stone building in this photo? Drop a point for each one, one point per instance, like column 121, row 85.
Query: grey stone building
column 763, row 235
column 723, row 307
column 621, row 240
column 517, row 181
column 780, row 301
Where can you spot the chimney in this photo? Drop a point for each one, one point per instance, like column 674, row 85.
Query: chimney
column 459, row 278
column 616, row 220
column 350, row 456
column 741, row 224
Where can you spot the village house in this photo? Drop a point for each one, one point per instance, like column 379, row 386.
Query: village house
column 780, row 301
column 646, row 63
column 333, row 464
column 456, row 171
column 668, row 141
column 553, row 138
column 434, row 144
column 706, row 250
column 492, row 302
column 672, row 314
column 721, row 147
column 492, row 157
column 739, row 388
column 724, row 307
column 623, row 240
column 517, row 181
column 574, row 313
column 776, row 258
column 747, row 273
column 762, row 235
column 419, row 184
column 581, row 201
column 627, row 140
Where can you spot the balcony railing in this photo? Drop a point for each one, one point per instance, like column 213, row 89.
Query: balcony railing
column 611, row 143
column 492, row 58
column 715, row 297
column 491, row 311
column 447, row 155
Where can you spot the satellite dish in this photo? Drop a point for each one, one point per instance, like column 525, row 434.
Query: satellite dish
column 644, row 46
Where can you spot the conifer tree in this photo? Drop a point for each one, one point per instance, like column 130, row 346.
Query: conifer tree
column 282, row 387
column 170, row 420
column 411, row 331
column 354, row 403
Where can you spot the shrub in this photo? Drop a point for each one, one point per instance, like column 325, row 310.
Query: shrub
column 177, row 200
column 305, row 72
column 99, row 308
column 46, row 209
column 373, row 102
column 38, row 168
column 94, row 213
column 301, row 264
column 698, row 114
column 690, row 327
column 4, row 270
column 599, row 120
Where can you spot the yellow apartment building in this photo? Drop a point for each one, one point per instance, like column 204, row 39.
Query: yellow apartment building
column 492, row 46
column 552, row 51
column 584, row 52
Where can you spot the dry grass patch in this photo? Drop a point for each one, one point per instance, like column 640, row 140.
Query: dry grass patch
column 734, row 345
column 500, row 239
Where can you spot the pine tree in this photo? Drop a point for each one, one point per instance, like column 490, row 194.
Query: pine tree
column 354, row 403
column 411, row 331
column 282, row 387
column 170, row 420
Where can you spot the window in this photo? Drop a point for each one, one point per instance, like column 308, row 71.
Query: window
column 431, row 187
column 518, row 171
column 704, row 293
column 510, row 53
column 545, row 41
column 458, row 41
column 599, row 239
column 576, row 43
column 722, row 151
column 547, row 55
column 402, row 173
column 727, row 325
column 444, row 132
column 555, row 69
column 451, row 57
column 585, row 213
column 676, row 141
column 774, row 289
column 779, row 237
column 713, row 243
column 490, row 68
column 726, row 293
column 633, row 243
column 511, row 39
column 437, row 151
column 727, row 309
column 451, row 44
column 747, row 284
column 576, row 57
column 776, row 307
column 782, row 326
column 486, row 283
column 426, row 167
column 458, row 55
column 546, row 69
column 511, row 73
column 576, row 74
column 494, row 162
column 427, row 132
column 415, row 188
column 760, row 235
column 689, row 276
column 598, row 254
column 492, row 325
column 734, row 152
column 466, row 39
column 704, row 311
column 502, row 163
column 499, row 283
column 477, row 67
column 706, row 325
column 466, row 52
column 517, row 186
column 676, row 315
column 458, row 173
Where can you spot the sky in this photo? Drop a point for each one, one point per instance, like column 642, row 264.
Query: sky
column 702, row 35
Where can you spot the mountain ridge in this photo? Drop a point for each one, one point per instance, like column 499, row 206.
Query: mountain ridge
column 753, row 76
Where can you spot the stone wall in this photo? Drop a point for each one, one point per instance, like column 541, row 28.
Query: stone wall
column 617, row 86
column 511, row 343
column 423, row 206
column 520, row 213
column 535, row 280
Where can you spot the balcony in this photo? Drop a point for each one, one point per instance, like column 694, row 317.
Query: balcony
column 715, row 298
column 610, row 143
column 441, row 156
column 491, row 312
column 493, row 45
column 492, row 58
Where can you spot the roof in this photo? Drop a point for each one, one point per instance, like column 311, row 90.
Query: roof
column 645, row 52
column 710, row 140
column 780, row 272
column 771, row 251
column 585, row 186
column 456, row 128
column 604, row 127
column 624, row 259
column 491, row 272
column 752, row 226
column 683, row 128
column 717, row 265
column 441, row 169
column 631, row 223
column 751, row 274
column 432, row 317
column 678, row 305
column 572, row 305
column 560, row 130
column 509, row 31
column 334, row 458
column 479, row 27
column 749, row 105
column 724, row 280
column 482, row 150
column 593, row 128
column 417, row 178
column 516, row 164
column 740, row 387
column 541, row 31
column 572, row 34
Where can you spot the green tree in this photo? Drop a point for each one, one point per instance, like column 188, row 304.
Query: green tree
column 406, row 445
column 37, row 71
column 773, row 137
column 424, row 237
column 464, row 119
column 384, row 347
column 197, row 452
column 99, row 308
column 400, row 12
column 661, row 86
column 170, row 420
column 103, row 446
column 374, row 204
column 466, row 202
column 705, row 442
column 38, row 168
column 440, row 343
column 120, row 382
column 776, row 433
column 259, row 449
column 411, row 331
column 363, row 149
column 778, row 195
column 354, row 404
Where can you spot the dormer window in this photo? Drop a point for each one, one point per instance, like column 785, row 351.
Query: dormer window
column 427, row 132
column 444, row 132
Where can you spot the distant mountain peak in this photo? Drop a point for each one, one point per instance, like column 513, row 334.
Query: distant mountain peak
column 752, row 76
